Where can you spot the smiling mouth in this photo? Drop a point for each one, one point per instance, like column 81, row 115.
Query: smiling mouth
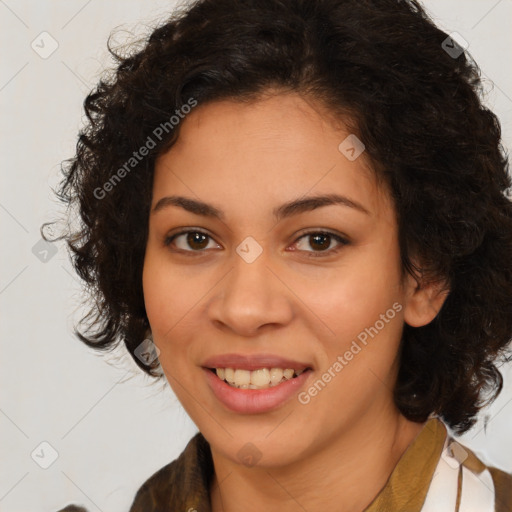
column 261, row 378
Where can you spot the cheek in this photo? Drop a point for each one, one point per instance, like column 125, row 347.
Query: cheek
column 364, row 311
column 354, row 296
column 166, row 297
column 156, row 291
column 175, row 298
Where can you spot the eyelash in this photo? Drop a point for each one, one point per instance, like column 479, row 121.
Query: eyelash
column 313, row 254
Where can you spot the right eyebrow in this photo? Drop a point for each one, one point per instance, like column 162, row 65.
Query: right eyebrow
column 189, row 204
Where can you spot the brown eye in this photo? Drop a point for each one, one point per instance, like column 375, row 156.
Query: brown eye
column 197, row 240
column 320, row 242
column 190, row 241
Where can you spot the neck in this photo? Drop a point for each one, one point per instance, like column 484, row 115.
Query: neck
column 350, row 471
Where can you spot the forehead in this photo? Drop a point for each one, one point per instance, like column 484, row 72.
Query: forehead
column 267, row 150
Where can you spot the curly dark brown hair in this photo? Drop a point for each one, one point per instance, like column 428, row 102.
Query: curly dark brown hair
column 416, row 106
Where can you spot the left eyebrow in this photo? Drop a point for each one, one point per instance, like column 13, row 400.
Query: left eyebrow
column 289, row 209
column 312, row 203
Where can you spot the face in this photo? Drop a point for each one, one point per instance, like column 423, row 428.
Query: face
column 271, row 247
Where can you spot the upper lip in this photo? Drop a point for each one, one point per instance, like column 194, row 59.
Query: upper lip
column 253, row 362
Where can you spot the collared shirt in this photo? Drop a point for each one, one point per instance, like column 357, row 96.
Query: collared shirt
column 434, row 474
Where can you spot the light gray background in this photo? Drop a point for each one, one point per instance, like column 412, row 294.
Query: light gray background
column 111, row 427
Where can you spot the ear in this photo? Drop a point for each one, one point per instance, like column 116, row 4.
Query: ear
column 423, row 300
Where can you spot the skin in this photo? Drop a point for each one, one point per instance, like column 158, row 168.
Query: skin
column 294, row 300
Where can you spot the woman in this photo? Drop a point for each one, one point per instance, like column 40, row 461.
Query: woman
column 296, row 212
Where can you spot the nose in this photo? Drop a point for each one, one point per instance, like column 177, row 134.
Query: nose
column 251, row 298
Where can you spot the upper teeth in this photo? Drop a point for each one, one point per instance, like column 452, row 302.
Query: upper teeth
column 256, row 379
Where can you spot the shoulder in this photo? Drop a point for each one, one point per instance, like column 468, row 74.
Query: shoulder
column 183, row 482
column 503, row 489
column 156, row 490
column 496, row 480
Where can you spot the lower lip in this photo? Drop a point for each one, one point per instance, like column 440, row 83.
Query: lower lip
column 253, row 401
